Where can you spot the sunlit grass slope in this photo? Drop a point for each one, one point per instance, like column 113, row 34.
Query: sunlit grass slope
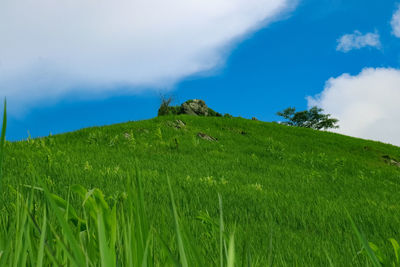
column 285, row 190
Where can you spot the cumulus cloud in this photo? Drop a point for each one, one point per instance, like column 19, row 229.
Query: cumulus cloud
column 367, row 105
column 357, row 40
column 49, row 48
column 395, row 22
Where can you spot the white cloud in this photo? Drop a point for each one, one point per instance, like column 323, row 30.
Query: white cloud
column 367, row 105
column 357, row 40
column 395, row 22
column 49, row 48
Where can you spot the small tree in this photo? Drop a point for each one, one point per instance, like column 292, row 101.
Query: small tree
column 164, row 107
column 313, row 118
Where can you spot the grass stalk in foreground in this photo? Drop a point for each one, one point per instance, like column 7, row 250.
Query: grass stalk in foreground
column 51, row 232
column 373, row 252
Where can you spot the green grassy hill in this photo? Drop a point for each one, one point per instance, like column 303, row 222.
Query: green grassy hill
column 285, row 190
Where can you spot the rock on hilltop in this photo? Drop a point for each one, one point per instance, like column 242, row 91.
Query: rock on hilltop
column 195, row 107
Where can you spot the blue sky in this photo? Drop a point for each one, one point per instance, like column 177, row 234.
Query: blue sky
column 274, row 67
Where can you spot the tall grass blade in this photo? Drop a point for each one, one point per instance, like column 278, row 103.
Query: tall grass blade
column 146, row 252
column 39, row 261
column 106, row 252
column 396, row 249
column 168, row 251
column 5, row 254
column 231, row 252
column 22, row 217
column 143, row 227
column 221, row 232
column 365, row 244
column 329, row 258
column 182, row 253
column 270, row 253
column 77, row 257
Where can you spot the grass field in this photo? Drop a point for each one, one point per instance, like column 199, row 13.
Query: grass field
column 285, row 191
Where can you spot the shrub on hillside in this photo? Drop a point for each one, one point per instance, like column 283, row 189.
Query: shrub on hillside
column 213, row 113
column 227, row 115
column 166, row 109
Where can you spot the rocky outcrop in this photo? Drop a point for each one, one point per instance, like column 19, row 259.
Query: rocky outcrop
column 391, row 160
column 178, row 124
column 206, row 137
column 195, row 107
